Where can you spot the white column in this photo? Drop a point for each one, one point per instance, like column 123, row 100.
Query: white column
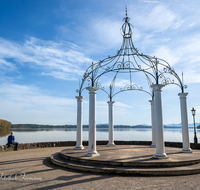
column 92, row 122
column 111, row 128
column 79, row 145
column 153, row 144
column 184, row 121
column 160, row 148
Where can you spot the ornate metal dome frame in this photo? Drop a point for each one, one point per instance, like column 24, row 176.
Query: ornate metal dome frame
column 129, row 60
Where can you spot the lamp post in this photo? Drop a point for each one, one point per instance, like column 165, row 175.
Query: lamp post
column 195, row 135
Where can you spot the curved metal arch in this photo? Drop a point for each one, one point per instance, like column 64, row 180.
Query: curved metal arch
column 132, row 88
column 128, row 69
column 127, row 87
column 129, row 60
column 169, row 81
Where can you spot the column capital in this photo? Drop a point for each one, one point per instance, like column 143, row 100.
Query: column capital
column 182, row 95
column 92, row 89
column 79, row 97
column 111, row 102
column 157, row 87
column 151, row 101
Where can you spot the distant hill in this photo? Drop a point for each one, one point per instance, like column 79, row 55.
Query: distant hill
column 41, row 126
column 179, row 125
column 74, row 126
column 38, row 126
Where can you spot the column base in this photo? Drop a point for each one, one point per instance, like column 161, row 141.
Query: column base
column 160, row 156
column 186, row 150
column 92, row 154
column 111, row 144
column 80, row 147
column 153, row 145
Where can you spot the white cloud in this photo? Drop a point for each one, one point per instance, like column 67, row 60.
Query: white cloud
column 192, row 24
column 189, row 57
column 63, row 75
column 54, row 58
column 122, row 83
column 118, row 83
column 5, row 65
column 123, row 106
column 151, row 2
column 197, row 110
column 103, row 104
column 182, row 53
column 191, row 76
column 167, row 54
column 28, row 104
column 120, row 110
column 106, row 31
column 158, row 18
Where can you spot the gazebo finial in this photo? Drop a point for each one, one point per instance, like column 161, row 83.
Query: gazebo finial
column 126, row 28
column 126, row 19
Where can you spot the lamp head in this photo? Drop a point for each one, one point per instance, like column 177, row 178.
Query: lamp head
column 193, row 111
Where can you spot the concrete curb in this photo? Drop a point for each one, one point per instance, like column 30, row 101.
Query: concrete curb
column 23, row 146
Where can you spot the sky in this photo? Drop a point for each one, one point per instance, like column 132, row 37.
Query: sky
column 46, row 45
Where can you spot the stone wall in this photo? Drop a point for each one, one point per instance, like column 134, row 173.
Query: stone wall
column 24, row 146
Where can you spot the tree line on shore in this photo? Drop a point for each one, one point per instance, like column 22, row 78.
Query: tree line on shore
column 38, row 126
column 74, row 126
column 4, row 127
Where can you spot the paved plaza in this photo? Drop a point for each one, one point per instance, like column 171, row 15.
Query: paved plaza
column 37, row 172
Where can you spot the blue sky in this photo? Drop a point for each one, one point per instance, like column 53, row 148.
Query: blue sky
column 45, row 46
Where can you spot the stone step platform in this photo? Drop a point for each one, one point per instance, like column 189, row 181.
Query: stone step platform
column 130, row 160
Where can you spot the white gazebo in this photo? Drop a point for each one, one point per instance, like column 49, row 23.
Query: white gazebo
column 128, row 62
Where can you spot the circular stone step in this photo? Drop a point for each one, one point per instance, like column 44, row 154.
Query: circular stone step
column 184, row 170
column 132, row 156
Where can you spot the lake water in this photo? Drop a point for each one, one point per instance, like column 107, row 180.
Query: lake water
column 128, row 134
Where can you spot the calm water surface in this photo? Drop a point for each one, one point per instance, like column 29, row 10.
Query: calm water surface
column 129, row 134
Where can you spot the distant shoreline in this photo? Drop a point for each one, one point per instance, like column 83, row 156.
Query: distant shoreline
column 35, row 126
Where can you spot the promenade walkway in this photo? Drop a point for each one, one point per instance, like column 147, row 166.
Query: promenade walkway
column 38, row 173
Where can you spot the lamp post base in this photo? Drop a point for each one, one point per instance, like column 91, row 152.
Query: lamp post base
column 195, row 140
